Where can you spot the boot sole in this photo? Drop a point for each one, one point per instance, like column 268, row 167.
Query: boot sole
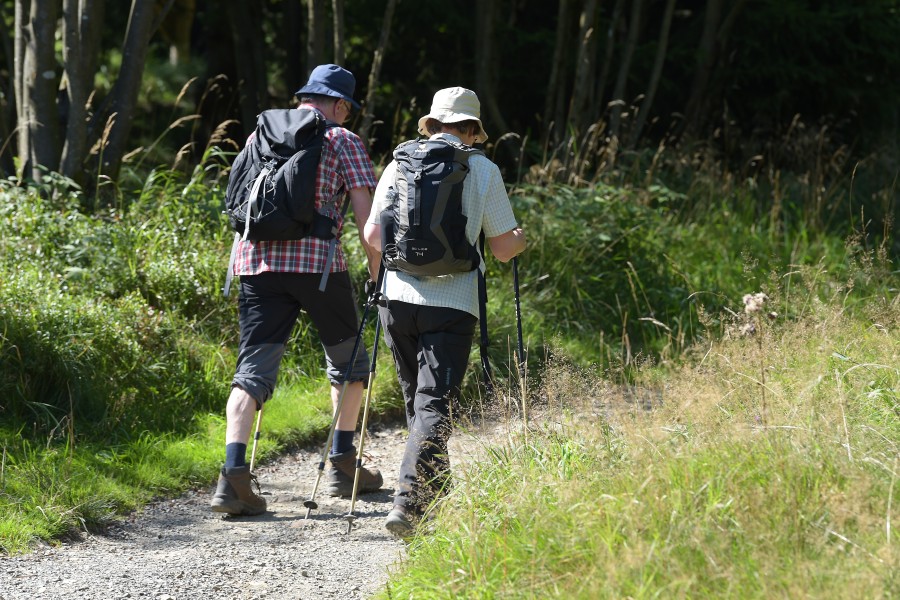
column 399, row 528
column 238, row 508
column 346, row 492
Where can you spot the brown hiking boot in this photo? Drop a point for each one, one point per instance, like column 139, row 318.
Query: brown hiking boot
column 343, row 470
column 234, row 494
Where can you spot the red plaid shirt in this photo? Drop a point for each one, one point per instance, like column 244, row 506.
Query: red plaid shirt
column 344, row 165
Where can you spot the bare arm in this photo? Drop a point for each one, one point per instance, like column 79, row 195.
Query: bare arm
column 372, row 237
column 372, row 241
column 361, row 200
column 508, row 245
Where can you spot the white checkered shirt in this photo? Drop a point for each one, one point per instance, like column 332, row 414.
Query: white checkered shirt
column 487, row 208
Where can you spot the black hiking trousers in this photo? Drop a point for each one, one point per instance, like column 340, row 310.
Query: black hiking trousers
column 430, row 346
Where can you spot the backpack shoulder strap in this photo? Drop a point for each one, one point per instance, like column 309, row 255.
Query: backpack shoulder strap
column 332, row 245
column 404, row 153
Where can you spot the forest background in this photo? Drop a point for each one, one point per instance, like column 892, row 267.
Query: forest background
column 585, row 82
column 667, row 158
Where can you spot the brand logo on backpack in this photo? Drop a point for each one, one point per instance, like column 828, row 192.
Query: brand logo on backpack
column 272, row 185
column 424, row 228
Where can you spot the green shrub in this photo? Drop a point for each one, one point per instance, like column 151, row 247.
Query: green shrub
column 112, row 322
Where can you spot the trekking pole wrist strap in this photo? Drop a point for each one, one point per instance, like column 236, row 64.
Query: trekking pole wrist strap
column 376, row 295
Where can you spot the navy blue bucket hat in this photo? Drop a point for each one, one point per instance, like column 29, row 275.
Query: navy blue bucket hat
column 331, row 80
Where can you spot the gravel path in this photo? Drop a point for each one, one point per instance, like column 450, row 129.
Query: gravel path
column 178, row 549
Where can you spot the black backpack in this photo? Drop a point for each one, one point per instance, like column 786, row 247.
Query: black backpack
column 423, row 231
column 273, row 179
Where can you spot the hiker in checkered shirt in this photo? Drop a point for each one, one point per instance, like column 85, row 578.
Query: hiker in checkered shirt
column 278, row 279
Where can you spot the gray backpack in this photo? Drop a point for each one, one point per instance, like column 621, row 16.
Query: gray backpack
column 423, row 231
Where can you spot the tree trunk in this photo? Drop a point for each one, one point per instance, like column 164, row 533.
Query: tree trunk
column 712, row 43
column 615, row 117
column 554, row 126
column 292, row 41
column 584, row 81
column 600, row 94
column 176, row 27
column 485, row 65
column 23, row 140
column 375, row 74
column 8, row 116
column 112, row 124
column 337, row 8
column 705, row 60
column 655, row 74
column 315, row 34
column 81, row 37
column 37, row 79
column 246, row 31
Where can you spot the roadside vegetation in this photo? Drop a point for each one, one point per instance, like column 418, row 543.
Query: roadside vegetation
column 116, row 351
column 714, row 406
column 675, row 443
column 763, row 466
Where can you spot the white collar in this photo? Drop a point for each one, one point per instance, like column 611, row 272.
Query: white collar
column 445, row 135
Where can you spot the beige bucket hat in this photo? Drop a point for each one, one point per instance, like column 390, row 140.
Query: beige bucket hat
column 453, row 105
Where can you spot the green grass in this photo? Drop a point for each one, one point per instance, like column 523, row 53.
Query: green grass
column 713, row 493
column 117, row 350
column 116, row 347
column 48, row 490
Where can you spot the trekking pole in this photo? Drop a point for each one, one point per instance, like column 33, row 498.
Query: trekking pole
column 311, row 503
column 256, row 437
column 362, row 432
column 521, row 344
column 482, row 321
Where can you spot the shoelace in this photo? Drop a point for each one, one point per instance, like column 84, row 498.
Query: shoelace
column 255, row 481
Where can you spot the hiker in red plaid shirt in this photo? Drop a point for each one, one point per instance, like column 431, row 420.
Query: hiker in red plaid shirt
column 278, row 279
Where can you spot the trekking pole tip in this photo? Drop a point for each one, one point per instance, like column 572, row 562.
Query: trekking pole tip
column 350, row 522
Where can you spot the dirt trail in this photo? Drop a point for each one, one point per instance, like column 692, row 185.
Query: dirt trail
column 178, row 549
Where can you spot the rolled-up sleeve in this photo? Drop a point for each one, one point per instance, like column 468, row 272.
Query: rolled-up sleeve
column 381, row 200
column 498, row 214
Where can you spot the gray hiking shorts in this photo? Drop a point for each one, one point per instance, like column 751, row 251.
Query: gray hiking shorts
column 269, row 306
